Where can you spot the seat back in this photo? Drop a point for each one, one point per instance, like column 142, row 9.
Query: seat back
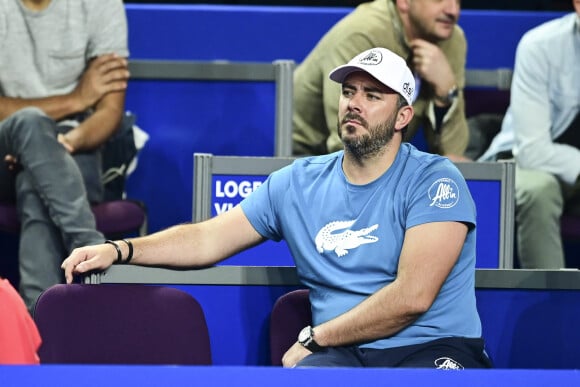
column 221, row 182
column 9, row 218
column 115, row 218
column 121, row 324
column 290, row 313
column 118, row 218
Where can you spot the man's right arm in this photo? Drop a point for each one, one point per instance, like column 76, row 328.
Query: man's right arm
column 105, row 74
column 186, row 245
column 429, row 253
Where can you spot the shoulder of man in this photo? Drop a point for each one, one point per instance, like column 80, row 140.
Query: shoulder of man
column 104, row 10
column 549, row 31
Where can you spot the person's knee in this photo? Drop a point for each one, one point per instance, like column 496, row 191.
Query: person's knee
column 331, row 357
column 28, row 122
column 537, row 187
column 27, row 115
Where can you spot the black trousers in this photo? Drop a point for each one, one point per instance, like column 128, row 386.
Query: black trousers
column 450, row 353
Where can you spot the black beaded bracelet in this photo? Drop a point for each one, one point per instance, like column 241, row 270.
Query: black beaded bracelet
column 119, row 254
column 128, row 242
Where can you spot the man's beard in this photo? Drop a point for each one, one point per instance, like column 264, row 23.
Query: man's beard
column 369, row 144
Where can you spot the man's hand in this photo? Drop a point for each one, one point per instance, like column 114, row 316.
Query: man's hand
column 85, row 259
column 12, row 163
column 432, row 65
column 105, row 74
column 296, row 353
column 65, row 142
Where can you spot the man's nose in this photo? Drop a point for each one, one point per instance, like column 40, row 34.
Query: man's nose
column 453, row 7
column 354, row 103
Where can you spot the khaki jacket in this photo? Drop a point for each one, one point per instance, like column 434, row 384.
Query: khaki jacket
column 372, row 24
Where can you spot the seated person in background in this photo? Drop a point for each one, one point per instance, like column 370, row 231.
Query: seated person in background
column 382, row 234
column 422, row 31
column 541, row 130
column 63, row 76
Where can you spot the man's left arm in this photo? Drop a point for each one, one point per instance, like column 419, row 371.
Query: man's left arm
column 99, row 126
column 453, row 131
column 429, row 252
column 443, row 68
column 108, row 43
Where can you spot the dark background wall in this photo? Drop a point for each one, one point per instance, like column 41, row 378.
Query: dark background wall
column 532, row 5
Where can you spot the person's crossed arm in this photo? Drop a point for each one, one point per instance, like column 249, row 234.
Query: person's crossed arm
column 104, row 74
column 101, row 87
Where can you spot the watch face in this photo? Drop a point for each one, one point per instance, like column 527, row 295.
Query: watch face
column 453, row 93
column 304, row 335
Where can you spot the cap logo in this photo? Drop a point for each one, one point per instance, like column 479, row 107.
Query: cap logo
column 407, row 89
column 372, row 58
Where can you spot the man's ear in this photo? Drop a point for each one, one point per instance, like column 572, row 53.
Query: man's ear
column 402, row 5
column 404, row 116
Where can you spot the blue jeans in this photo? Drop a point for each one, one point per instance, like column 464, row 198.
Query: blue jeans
column 51, row 198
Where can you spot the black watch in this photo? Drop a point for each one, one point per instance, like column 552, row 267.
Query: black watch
column 306, row 339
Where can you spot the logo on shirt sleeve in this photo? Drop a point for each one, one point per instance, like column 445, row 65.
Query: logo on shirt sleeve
column 444, row 193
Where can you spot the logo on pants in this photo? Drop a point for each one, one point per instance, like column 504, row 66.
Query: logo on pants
column 447, row 363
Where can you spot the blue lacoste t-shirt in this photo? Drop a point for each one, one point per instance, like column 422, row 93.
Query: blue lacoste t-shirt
column 346, row 239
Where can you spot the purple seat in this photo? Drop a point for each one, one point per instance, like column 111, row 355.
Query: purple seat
column 9, row 218
column 115, row 219
column 485, row 100
column 570, row 231
column 570, row 227
column 121, row 324
column 290, row 313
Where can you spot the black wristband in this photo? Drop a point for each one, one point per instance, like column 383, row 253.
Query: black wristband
column 119, row 254
column 128, row 242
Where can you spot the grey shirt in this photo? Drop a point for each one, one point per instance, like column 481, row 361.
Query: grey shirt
column 44, row 53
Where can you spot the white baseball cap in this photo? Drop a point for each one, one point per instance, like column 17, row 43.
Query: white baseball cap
column 386, row 66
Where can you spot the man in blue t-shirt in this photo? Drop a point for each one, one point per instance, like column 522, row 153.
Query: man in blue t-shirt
column 382, row 234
